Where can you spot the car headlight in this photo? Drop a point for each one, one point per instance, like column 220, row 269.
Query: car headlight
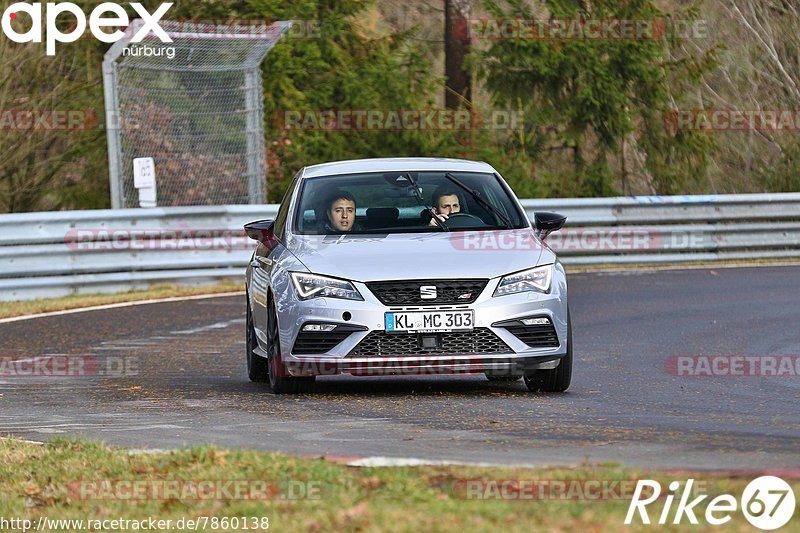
column 535, row 279
column 310, row 286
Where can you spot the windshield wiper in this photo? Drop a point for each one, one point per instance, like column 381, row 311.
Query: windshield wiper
column 421, row 200
column 478, row 198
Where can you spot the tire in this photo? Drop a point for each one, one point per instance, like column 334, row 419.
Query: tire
column 256, row 365
column 508, row 379
column 558, row 378
column 278, row 382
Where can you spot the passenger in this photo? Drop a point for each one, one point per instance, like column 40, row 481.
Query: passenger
column 341, row 211
column 445, row 203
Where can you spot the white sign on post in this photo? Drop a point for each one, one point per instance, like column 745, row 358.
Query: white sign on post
column 144, row 179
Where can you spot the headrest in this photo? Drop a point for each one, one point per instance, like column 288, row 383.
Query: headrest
column 383, row 215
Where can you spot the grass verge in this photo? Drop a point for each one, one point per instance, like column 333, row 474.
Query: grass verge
column 47, row 305
column 86, row 480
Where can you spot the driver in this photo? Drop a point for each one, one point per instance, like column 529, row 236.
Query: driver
column 445, row 203
column 341, row 211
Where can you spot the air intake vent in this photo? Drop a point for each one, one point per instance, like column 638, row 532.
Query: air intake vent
column 448, row 291
column 478, row 341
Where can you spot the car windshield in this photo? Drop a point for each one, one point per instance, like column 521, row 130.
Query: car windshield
column 389, row 202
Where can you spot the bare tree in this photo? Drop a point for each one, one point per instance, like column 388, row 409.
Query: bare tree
column 758, row 69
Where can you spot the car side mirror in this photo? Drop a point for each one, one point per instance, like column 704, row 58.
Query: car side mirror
column 262, row 231
column 546, row 223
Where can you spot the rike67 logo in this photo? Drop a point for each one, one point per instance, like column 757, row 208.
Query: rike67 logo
column 767, row 502
column 103, row 18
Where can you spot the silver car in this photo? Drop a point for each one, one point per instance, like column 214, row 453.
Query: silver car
column 405, row 266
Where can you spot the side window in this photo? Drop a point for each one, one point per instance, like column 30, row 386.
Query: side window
column 283, row 211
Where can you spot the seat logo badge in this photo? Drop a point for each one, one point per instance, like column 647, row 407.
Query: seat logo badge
column 427, row 292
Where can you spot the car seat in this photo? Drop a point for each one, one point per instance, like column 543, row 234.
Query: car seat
column 381, row 217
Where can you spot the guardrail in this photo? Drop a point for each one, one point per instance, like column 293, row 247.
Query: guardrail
column 58, row 253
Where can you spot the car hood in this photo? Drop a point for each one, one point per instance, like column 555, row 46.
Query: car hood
column 470, row 254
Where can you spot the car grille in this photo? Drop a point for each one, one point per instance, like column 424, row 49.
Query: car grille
column 539, row 336
column 317, row 342
column 448, row 291
column 478, row 341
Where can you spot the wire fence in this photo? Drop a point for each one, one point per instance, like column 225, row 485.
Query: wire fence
column 195, row 105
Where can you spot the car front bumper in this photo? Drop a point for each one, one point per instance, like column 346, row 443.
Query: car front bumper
column 368, row 315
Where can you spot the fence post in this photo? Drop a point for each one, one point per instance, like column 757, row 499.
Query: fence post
column 256, row 149
column 111, row 98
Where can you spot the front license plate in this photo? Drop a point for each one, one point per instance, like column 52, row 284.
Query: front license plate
column 429, row 321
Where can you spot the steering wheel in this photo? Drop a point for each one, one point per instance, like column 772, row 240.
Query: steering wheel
column 463, row 220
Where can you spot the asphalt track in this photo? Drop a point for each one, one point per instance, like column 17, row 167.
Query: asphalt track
column 188, row 383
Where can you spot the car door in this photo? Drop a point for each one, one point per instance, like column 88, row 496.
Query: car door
column 264, row 261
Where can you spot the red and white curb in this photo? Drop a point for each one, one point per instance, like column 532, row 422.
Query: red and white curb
column 383, row 462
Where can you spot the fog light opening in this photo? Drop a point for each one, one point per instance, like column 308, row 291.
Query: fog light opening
column 319, row 327
column 536, row 321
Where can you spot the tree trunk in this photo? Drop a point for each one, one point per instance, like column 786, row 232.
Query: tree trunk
column 458, row 82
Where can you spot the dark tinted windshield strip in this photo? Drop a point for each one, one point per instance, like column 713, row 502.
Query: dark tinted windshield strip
column 307, row 218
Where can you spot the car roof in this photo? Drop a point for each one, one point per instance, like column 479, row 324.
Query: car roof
column 396, row 164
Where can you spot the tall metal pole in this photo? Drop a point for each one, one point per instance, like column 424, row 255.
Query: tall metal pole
column 113, row 119
column 113, row 134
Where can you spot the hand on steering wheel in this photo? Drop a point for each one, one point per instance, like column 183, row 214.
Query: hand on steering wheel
column 464, row 219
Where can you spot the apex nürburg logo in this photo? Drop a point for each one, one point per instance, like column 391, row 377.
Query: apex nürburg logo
column 105, row 16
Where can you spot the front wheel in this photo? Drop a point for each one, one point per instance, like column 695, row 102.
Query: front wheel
column 279, row 382
column 558, row 378
column 256, row 365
